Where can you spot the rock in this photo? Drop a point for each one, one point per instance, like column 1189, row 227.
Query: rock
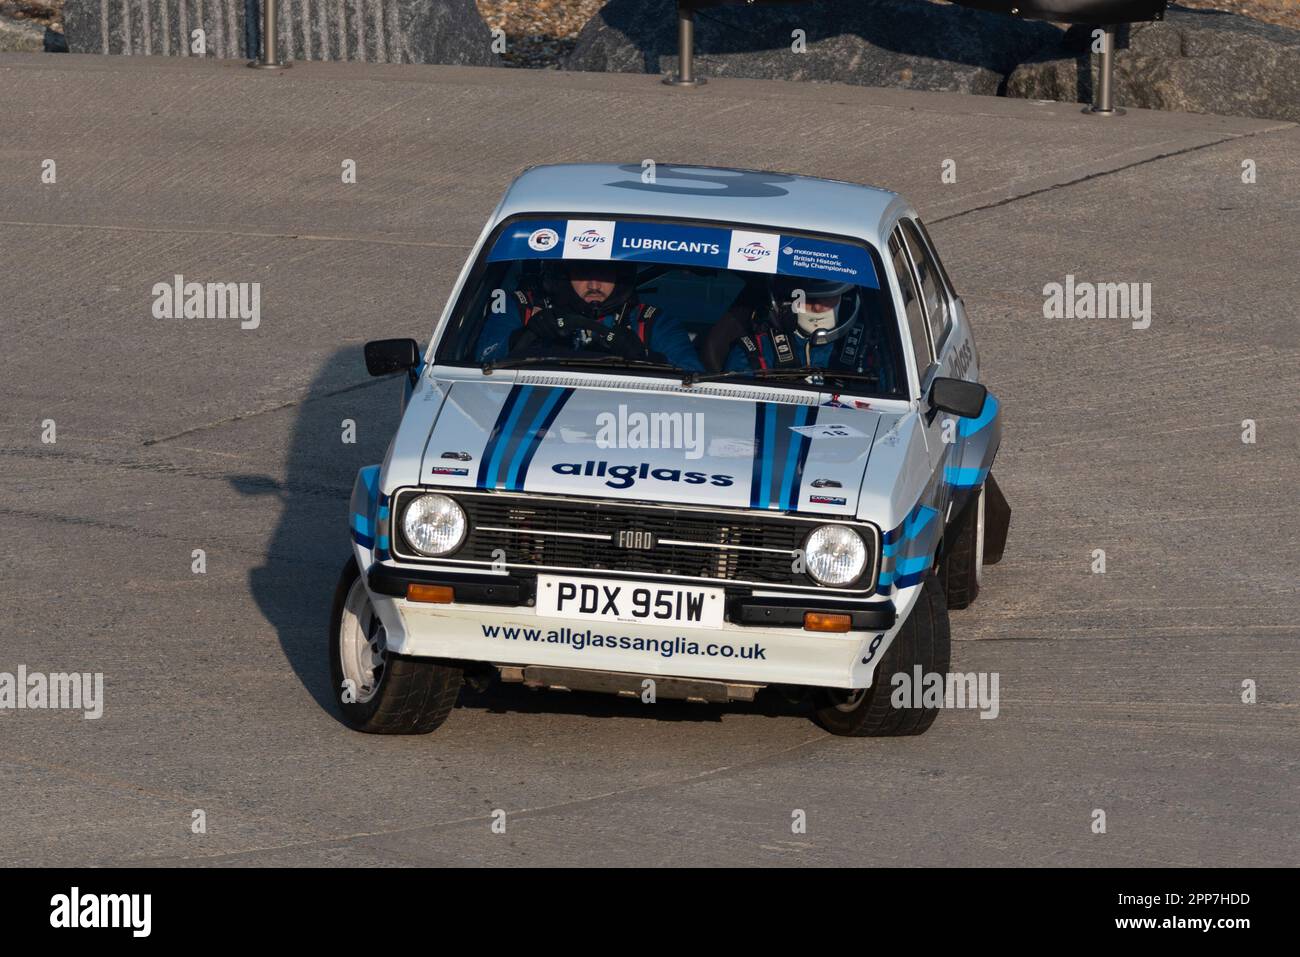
column 21, row 36
column 902, row 43
column 1195, row 61
column 378, row 31
column 55, row 42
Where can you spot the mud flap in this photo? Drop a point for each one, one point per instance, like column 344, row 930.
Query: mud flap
column 997, row 520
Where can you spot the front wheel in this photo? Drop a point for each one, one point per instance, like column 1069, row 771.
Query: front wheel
column 379, row 692
column 923, row 640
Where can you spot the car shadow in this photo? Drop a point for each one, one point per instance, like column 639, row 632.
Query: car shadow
column 506, row 698
column 309, row 543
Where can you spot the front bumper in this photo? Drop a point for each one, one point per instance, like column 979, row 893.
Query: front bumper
column 492, row 620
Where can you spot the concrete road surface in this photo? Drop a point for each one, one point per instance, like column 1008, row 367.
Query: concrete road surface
column 1120, row 691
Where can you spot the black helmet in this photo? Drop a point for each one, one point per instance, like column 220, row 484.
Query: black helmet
column 557, row 278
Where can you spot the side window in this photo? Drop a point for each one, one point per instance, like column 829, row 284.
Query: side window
column 938, row 260
column 911, row 303
column 932, row 291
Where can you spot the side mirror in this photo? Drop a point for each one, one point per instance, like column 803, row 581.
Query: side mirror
column 957, row 396
column 386, row 356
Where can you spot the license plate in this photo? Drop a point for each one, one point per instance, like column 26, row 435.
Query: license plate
column 604, row 599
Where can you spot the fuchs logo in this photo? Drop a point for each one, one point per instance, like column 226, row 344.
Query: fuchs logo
column 753, row 252
column 589, row 239
column 543, row 239
column 625, row 476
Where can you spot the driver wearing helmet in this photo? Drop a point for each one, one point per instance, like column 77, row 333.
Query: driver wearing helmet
column 585, row 305
column 807, row 322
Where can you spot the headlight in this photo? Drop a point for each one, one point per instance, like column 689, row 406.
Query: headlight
column 835, row 555
column 434, row 524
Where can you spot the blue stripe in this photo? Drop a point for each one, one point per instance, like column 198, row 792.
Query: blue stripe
column 365, row 541
column 917, row 522
column 755, row 481
column 362, row 524
column 756, row 468
column 501, row 433
column 769, row 445
column 964, row 477
column 987, row 414
column 495, row 436
column 370, row 479
column 907, row 581
column 907, row 528
column 910, row 566
column 532, row 438
column 792, row 457
column 536, row 442
column 910, row 571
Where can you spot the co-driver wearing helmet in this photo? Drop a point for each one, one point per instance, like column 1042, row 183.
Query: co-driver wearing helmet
column 808, row 322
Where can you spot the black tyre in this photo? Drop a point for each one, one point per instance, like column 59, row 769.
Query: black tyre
column 923, row 640
column 379, row 692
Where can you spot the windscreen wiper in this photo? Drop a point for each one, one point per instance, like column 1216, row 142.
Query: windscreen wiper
column 578, row 362
column 798, row 372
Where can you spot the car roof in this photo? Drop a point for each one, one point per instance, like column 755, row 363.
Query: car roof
column 708, row 193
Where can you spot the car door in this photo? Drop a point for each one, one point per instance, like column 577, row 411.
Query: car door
column 966, row 445
column 919, row 331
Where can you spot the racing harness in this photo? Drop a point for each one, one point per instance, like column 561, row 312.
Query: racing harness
column 850, row 354
column 634, row 323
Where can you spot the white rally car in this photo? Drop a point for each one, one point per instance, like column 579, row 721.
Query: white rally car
column 679, row 433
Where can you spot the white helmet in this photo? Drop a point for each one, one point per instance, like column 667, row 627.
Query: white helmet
column 818, row 307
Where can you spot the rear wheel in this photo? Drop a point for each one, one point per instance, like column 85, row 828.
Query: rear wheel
column 923, row 640
column 379, row 692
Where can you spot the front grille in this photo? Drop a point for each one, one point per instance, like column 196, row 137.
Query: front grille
column 725, row 546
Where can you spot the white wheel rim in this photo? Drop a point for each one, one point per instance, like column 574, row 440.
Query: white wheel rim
column 979, row 538
column 362, row 644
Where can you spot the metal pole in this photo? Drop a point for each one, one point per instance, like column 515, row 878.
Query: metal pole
column 685, row 48
column 1103, row 96
column 270, row 41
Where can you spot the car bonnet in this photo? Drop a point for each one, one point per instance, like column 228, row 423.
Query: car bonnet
column 646, row 443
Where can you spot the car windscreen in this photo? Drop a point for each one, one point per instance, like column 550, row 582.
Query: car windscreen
column 633, row 295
